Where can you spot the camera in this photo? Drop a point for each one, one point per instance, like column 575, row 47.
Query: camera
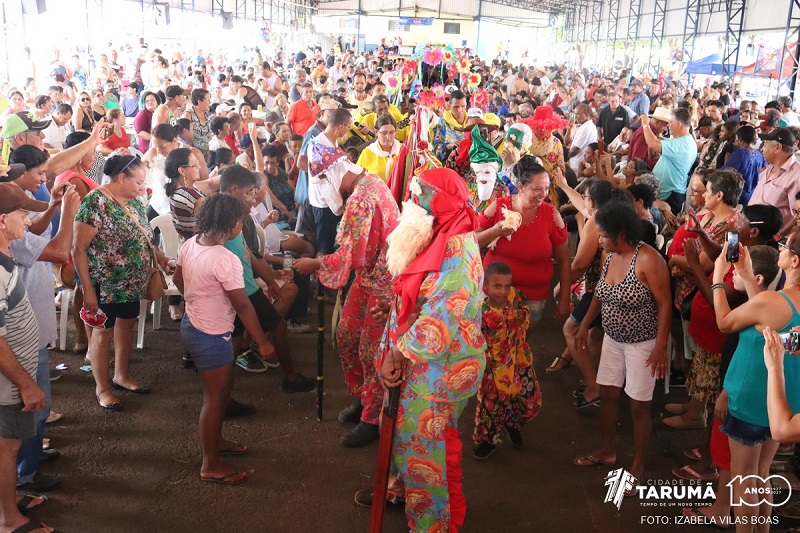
column 791, row 341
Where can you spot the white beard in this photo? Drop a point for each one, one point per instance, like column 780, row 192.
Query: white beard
column 412, row 235
column 485, row 177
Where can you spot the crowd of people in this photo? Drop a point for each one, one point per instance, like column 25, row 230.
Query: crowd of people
column 664, row 214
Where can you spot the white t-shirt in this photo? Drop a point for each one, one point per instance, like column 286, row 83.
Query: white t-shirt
column 273, row 236
column 269, row 100
column 208, row 272
column 156, row 181
column 585, row 135
column 314, row 193
column 55, row 135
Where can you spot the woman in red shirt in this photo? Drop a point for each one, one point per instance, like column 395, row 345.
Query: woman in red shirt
column 528, row 249
column 118, row 137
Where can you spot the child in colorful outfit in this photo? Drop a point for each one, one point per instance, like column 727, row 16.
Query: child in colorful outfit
column 509, row 394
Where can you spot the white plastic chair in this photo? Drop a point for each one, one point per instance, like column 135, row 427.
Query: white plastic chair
column 65, row 297
column 169, row 243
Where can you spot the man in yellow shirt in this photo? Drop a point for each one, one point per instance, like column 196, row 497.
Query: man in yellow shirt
column 448, row 132
column 360, row 97
column 367, row 130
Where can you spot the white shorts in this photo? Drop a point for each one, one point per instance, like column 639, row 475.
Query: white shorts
column 624, row 364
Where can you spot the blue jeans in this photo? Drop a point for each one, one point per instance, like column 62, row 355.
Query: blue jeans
column 30, row 453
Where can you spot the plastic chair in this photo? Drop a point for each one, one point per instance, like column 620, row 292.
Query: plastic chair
column 170, row 244
column 65, row 297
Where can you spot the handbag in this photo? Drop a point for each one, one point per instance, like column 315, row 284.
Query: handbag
column 156, row 282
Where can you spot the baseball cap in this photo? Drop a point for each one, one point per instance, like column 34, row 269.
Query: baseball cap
column 21, row 122
column 246, row 142
column 781, row 135
column 13, row 198
column 14, row 171
column 475, row 112
column 271, row 117
column 334, row 102
column 771, row 119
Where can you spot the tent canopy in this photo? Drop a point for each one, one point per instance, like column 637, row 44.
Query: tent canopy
column 708, row 65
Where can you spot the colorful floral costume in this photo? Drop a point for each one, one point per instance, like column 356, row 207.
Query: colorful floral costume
column 551, row 152
column 444, row 350
column 446, row 135
column 509, row 395
column 370, row 214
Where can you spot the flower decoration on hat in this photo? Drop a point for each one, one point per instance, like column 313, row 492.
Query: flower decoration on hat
column 474, row 80
column 544, row 119
column 480, row 99
column 432, row 56
column 463, row 65
column 324, row 157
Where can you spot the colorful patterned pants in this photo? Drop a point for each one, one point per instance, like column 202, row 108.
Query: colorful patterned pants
column 426, row 456
column 358, row 339
column 497, row 410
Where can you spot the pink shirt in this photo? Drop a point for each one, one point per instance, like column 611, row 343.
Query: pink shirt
column 209, row 271
column 778, row 187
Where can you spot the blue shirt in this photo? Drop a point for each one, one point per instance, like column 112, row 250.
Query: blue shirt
column 748, row 163
column 672, row 169
column 301, row 189
column 640, row 104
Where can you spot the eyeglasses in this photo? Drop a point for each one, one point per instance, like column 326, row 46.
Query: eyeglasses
column 196, row 165
column 86, row 99
column 380, row 132
column 784, row 245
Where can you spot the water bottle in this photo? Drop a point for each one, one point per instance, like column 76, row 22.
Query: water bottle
column 288, row 273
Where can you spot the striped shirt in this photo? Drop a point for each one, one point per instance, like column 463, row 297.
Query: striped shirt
column 17, row 326
column 181, row 205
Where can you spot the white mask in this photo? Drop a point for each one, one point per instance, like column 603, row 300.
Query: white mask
column 486, row 177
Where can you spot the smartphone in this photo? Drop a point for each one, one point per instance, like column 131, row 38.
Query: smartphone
column 6, row 151
column 732, row 255
column 791, row 341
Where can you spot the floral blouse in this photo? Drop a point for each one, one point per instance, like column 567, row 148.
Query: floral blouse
column 119, row 255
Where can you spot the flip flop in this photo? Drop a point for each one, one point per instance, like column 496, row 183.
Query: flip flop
column 581, row 402
column 236, row 449
column 30, row 525
column 690, row 474
column 554, row 367
column 142, row 389
column 694, row 454
column 54, row 417
column 227, row 479
column 28, row 502
column 588, row 460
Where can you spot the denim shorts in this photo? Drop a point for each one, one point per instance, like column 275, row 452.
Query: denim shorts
column 208, row 351
column 15, row 423
column 744, row 432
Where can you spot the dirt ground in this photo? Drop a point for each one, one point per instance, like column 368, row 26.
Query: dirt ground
column 137, row 470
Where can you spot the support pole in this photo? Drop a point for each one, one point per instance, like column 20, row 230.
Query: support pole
column 793, row 35
column 478, row 33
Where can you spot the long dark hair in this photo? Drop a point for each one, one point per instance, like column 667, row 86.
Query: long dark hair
column 176, row 159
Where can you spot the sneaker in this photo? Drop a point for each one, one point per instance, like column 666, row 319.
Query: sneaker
column 515, row 437
column 483, row 451
column 236, row 409
column 55, row 375
column 50, row 454
column 293, row 326
column 299, row 384
column 251, row 362
column 175, row 313
column 272, row 362
column 351, row 414
column 361, row 435
column 363, row 498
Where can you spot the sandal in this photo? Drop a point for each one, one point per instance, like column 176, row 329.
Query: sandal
column 28, row 502
column 694, row 454
column 29, row 526
column 581, row 402
column 559, row 364
column 233, row 478
column 589, row 460
column 690, row 474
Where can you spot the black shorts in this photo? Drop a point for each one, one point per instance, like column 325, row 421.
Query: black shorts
column 582, row 307
column 268, row 316
column 327, row 224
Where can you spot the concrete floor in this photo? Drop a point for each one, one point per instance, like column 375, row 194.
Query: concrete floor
column 137, row 470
